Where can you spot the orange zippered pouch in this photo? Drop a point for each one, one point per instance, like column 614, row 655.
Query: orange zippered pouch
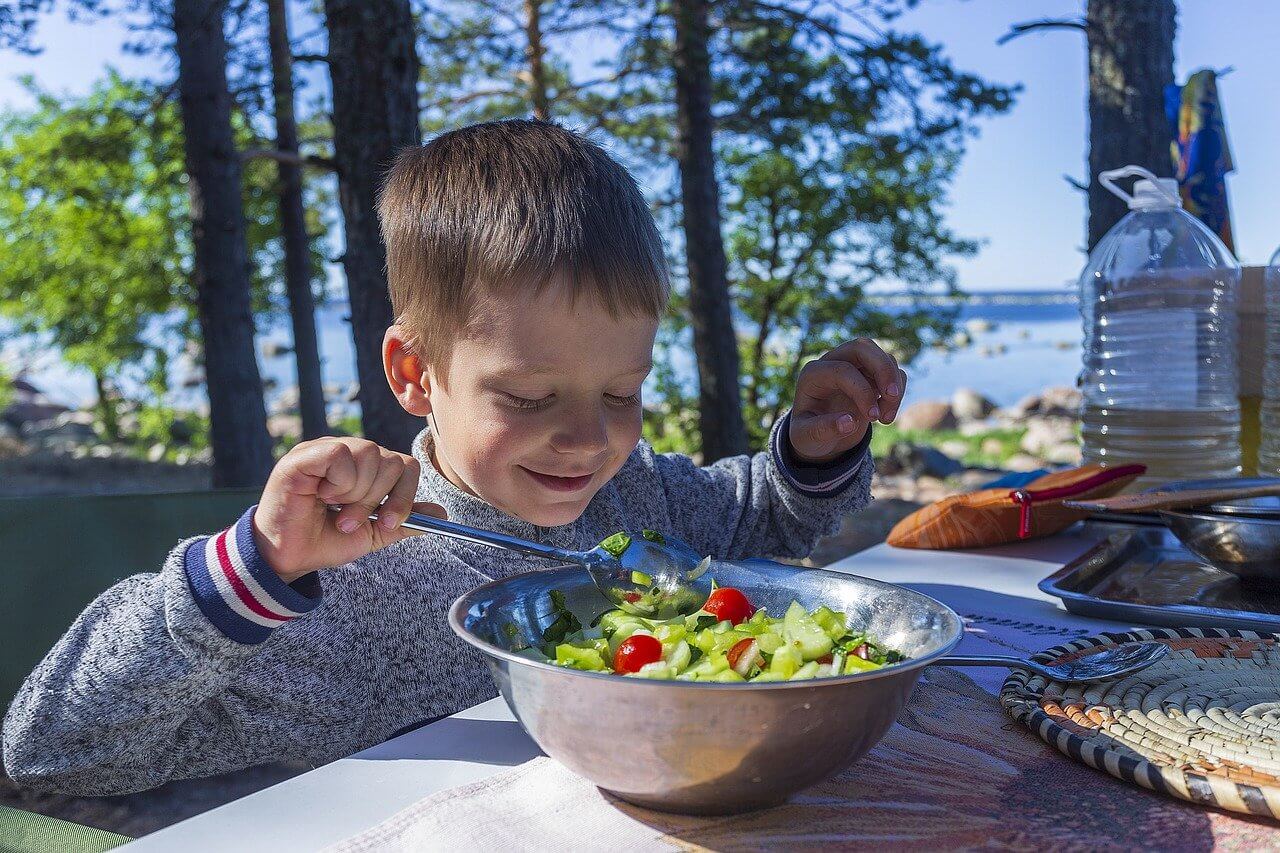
column 996, row 516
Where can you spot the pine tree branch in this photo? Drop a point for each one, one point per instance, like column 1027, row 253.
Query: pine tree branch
column 1045, row 24
column 289, row 158
column 310, row 57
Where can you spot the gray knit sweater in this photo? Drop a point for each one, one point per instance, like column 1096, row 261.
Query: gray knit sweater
column 214, row 664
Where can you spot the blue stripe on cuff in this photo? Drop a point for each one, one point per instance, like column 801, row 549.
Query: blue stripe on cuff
column 299, row 597
column 817, row 479
column 210, row 602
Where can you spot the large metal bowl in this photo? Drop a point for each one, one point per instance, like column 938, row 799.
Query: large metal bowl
column 1246, row 546
column 706, row 748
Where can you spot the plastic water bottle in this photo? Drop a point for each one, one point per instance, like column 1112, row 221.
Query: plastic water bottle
column 1269, row 447
column 1160, row 378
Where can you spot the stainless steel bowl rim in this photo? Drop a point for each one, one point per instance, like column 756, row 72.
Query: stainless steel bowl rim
column 1203, row 514
column 458, row 611
column 1245, row 506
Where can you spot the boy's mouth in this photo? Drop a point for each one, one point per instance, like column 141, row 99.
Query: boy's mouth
column 559, row 484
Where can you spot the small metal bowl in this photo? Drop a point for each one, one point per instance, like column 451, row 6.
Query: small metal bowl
column 698, row 748
column 1244, row 545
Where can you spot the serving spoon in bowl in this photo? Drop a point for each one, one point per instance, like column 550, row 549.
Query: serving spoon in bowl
column 648, row 573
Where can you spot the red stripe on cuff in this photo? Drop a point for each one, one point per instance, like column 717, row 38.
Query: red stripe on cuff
column 242, row 591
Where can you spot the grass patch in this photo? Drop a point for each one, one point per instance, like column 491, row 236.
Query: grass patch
column 1008, row 439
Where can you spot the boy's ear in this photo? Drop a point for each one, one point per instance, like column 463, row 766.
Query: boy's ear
column 405, row 373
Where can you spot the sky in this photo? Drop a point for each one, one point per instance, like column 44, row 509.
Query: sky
column 1009, row 192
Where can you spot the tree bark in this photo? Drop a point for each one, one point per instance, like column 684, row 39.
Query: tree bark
column 534, row 53
column 714, row 341
column 293, row 227
column 374, row 70
column 1130, row 63
column 237, row 417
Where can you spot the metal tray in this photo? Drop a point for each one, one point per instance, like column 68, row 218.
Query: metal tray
column 1142, row 575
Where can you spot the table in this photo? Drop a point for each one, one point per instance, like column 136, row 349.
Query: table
column 337, row 800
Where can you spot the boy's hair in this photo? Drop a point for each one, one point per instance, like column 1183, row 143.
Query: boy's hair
column 506, row 204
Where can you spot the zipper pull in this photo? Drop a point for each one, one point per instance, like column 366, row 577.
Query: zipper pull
column 1023, row 499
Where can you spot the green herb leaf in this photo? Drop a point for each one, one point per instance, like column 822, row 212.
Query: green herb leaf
column 694, row 654
column 616, row 544
column 705, row 621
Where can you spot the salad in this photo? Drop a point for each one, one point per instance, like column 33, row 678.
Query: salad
column 727, row 640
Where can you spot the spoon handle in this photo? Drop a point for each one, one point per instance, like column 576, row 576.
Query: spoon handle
column 454, row 530
column 994, row 660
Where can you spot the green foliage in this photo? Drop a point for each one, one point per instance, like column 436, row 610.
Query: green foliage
column 6, row 389
column 92, row 213
column 837, row 145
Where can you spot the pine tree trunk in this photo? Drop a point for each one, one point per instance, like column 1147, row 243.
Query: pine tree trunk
column 374, row 70
column 533, row 56
column 714, row 341
column 237, row 417
column 1130, row 63
column 293, row 228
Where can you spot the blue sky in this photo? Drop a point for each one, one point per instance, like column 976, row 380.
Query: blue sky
column 1010, row 191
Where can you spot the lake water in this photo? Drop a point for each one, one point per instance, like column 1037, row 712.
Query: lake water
column 1028, row 347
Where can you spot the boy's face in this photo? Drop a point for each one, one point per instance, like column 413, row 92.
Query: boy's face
column 541, row 405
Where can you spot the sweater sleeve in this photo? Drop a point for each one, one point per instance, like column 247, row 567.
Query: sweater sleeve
column 767, row 505
column 138, row 689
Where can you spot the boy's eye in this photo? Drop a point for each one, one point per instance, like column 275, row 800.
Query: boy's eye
column 629, row 400
column 527, row 403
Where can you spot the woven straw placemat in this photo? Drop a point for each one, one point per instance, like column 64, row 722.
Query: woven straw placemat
column 1203, row 724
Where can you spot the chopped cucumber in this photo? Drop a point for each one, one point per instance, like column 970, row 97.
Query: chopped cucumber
column 800, row 630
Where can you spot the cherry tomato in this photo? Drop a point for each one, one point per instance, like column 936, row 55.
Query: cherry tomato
column 826, row 659
column 863, row 651
column 729, row 603
column 635, row 652
column 738, row 659
column 631, row 597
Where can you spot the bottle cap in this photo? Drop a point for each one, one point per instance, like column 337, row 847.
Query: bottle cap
column 1147, row 195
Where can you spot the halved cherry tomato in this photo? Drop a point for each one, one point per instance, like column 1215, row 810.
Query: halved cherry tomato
column 744, row 655
column 631, row 597
column 826, row 659
column 636, row 651
column 729, row 604
column 863, row 651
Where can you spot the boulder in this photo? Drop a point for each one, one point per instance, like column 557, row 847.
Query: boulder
column 955, row 448
column 1043, row 433
column 1060, row 402
column 68, row 428
column 1023, row 462
column 992, row 447
column 156, row 452
column 917, row 461
column 286, row 401
column 281, row 426
column 927, row 415
column 969, row 405
column 1067, row 453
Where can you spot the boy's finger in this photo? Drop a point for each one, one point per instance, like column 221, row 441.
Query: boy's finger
column 364, row 462
column 822, row 379
column 825, row 430
column 399, row 502
column 386, row 474
column 339, row 474
column 875, row 363
column 889, row 405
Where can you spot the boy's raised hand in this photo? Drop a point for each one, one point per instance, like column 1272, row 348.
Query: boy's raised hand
column 295, row 530
column 839, row 395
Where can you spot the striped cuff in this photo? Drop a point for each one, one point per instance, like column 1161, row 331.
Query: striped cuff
column 236, row 589
column 816, row 479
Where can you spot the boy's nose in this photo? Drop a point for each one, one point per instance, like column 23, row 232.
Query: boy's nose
column 583, row 432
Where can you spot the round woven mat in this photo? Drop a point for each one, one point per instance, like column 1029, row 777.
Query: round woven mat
column 1202, row 724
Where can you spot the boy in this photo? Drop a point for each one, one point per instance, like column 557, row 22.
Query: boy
column 528, row 278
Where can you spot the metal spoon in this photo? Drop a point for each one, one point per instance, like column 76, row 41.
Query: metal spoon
column 1109, row 662
column 654, row 579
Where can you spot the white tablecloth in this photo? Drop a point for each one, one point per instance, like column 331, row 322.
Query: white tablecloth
column 336, row 801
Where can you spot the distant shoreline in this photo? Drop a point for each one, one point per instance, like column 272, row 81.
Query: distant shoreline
column 981, row 298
